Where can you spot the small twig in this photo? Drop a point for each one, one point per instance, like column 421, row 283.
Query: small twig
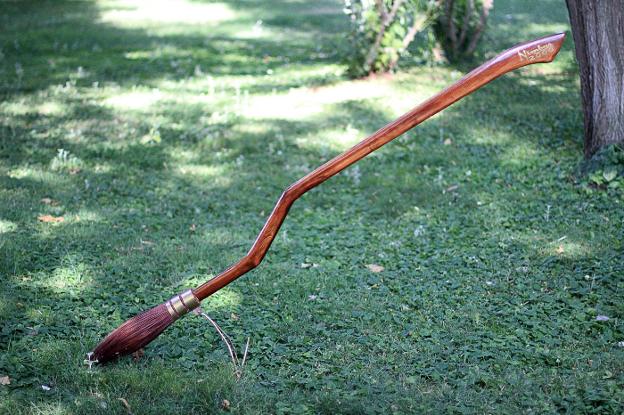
column 125, row 405
column 90, row 362
column 245, row 353
column 238, row 365
column 224, row 338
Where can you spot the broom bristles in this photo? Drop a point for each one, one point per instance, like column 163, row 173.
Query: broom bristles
column 133, row 334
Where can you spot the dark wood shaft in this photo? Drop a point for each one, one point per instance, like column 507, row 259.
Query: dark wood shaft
column 540, row 50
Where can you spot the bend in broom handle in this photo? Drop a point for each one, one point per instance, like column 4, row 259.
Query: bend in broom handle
column 539, row 50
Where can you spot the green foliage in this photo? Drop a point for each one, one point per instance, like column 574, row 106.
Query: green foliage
column 460, row 25
column 605, row 170
column 365, row 24
column 179, row 134
column 381, row 32
column 65, row 161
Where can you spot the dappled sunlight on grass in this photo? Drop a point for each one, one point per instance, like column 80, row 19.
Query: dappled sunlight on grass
column 339, row 140
column 216, row 174
column 74, row 278
column 135, row 13
column 413, row 88
column 52, row 108
column 134, row 100
column 302, row 103
column 225, row 299
column 50, row 408
column 38, row 175
column 7, row 226
column 552, row 247
column 88, row 215
column 161, row 51
column 519, row 153
column 224, row 237
column 572, row 249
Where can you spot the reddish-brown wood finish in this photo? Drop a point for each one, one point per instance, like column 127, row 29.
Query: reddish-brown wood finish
column 539, row 50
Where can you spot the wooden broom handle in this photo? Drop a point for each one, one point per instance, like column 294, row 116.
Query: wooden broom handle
column 539, row 50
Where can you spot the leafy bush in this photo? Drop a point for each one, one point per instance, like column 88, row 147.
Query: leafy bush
column 382, row 30
column 459, row 26
column 605, row 170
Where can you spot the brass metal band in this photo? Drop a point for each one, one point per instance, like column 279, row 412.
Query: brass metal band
column 181, row 304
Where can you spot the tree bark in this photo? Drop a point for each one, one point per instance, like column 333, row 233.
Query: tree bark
column 598, row 30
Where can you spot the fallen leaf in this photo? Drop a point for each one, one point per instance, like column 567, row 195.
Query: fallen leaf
column 234, row 317
column 50, row 218
column 560, row 249
column 5, row 380
column 75, row 170
column 610, row 174
column 48, row 201
column 375, row 268
column 136, row 356
column 419, row 230
column 125, row 404
column 193, row 228
column 448, row 142
column 225, row 404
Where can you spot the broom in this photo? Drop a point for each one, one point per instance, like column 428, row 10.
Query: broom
column 145, row 327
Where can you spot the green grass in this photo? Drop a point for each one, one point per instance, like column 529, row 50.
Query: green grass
column 180, row 129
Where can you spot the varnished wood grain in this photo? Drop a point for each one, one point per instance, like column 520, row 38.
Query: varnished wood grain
column 539, row 50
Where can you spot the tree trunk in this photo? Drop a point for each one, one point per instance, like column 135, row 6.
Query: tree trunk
column 598, row 30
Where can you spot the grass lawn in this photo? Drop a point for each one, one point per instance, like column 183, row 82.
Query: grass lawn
column 163, row 137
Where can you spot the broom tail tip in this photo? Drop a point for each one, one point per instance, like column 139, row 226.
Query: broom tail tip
column 140, row 330
column 132, row 335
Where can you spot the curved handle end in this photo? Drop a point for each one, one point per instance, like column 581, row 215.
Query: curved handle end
column 540, row 50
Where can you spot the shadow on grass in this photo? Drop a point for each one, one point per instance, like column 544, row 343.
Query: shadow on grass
column 78, row 47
